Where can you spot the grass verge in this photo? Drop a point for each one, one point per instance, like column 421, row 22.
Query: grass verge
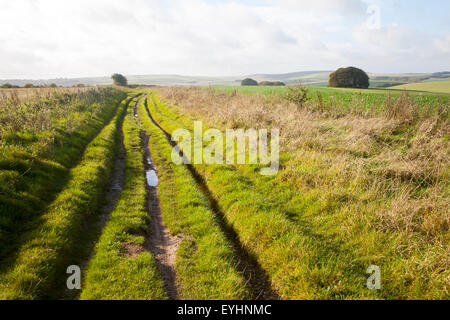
column 40, row 268
column 30, row 159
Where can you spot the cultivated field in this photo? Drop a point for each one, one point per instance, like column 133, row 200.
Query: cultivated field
column 88, row 179
column 432, row 86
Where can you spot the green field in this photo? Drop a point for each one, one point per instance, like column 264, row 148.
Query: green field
column 426, row 90
column 431, row 86
column 343, row 100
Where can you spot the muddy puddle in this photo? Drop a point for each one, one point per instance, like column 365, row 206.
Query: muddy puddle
column 160, row 242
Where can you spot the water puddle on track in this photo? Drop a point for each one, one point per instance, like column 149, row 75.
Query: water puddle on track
column 160, row 242
column 151, row 176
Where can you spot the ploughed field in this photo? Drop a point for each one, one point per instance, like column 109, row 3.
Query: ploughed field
column 90, row 178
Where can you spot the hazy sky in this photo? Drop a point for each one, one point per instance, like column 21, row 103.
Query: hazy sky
column 69, row 38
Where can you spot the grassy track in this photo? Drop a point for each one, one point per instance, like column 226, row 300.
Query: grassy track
column 363, row 181
column 114, row 273
column 40, row 268
column 206, row 265
column 302, row 248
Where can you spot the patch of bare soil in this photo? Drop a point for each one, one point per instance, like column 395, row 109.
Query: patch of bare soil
column 132, row 250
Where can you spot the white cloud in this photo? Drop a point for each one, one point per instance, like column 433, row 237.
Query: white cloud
column 49, row 38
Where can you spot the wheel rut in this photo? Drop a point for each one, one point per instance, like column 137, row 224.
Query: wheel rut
column 91, row 228
column 159, row 242
column 257, row 280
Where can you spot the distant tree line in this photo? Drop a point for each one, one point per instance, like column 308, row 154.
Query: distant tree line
column 30, row 86
column 416, row 78
column 272, row 83
column 252, row 82
column 387, row 84
column 118, row 79
column 441, row 75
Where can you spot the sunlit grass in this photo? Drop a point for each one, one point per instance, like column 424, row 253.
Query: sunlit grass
column 352, row 191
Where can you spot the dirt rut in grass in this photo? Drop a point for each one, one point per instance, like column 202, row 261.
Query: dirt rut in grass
column 116, row 184
column 91, row 228
column 160, row 242
column 257, row 279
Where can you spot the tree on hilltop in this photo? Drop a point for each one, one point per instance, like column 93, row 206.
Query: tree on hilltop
column 350, row 77
column 119, row 80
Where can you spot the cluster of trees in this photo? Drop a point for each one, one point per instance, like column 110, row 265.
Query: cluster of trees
column 387, row 84
column 272, row 83
column 27, row 86
column 8, row 86
column 119, row 80
column 441, row 75
column 251, row 82
column 350, row 77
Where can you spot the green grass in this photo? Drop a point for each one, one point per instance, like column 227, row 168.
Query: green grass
column 39, row 270
column 342, row 101
column 205, row 265
column 40, row 141
column 298, row 266
column 316, row 241
column 361, row 188
column 430, row 86
column 111, row 274
column 410, row 88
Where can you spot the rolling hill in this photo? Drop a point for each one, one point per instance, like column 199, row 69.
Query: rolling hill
column 313, row 78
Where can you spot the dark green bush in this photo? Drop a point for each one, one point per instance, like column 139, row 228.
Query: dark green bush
column 249, row 82
column 350, row 77
column 297, row 95
column 119, row 80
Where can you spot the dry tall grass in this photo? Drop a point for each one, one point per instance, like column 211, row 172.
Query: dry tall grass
column 395, row 160
column 33, row 115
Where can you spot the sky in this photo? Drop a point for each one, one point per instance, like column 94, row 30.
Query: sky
column 42, row 39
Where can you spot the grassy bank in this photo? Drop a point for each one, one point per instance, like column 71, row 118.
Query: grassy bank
column 39, row 270
column 41, row 138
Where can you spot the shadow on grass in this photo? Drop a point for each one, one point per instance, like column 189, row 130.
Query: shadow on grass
column 34, row 183
column 257, row 280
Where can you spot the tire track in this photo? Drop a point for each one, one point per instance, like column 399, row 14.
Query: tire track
column 257, row 279
column 91, row 229
column 159, row 242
